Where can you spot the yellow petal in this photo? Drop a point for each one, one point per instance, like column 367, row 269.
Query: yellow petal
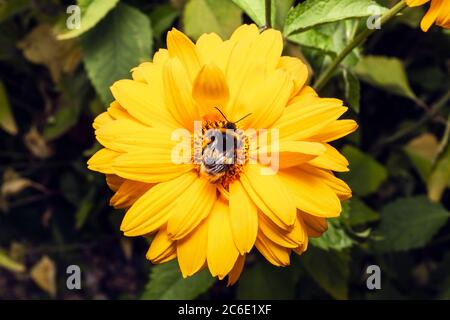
column 167, row 257
column 245, row 32
column 161, row 56
column 415, row 3
column 242, row 76
column 222, row 252
column 311, row 194
column 191, row 208
column 191, row 250
column 302, row 248
column 151, row 165
column 271, row 43
column 152, row 209
column 102, row 119
column 315, row 226
column 128, row 193
column 247, row 68
column 268, row 101
column 125, row 135
column 306, row 95
column 431, row 15
column 178, row 94
column 269, row 194
column 288, row 239
column 153, row 74
column 141, row 72
column 142, row 103
column 331, row 159
column 235, row 273
column 301, row 122
column 181, row 47
column 341, row 188
column 220, row 56
column 114, row 182
column 207, row 46
column 297, row 70
column 335, row 130
column 210, row 89
column 116, row 111
column 162, row 249
column 137, row 74
column 443, row 19
column 275, row 254
column 243, row 217
column 102, row 161
column 292, row 153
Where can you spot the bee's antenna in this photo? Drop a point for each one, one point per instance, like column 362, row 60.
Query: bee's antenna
column 243, row 117
column 222, row 114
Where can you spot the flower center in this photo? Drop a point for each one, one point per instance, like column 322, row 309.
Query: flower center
column 220, row 151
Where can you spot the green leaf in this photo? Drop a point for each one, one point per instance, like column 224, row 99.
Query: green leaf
column 221, row 17
column 409, row 223
column 385, row 73
column 119, row 42
column 166, row 283
column 256, row 10
column 311, row 13
column 334, row 238
column 319, row 38
column 329, row 269
column 61, row 122
column 281, row 10
column 84, row 208
column 92, row 11
column 330, row 39
column 162, row 18
column 254, row 284
column 7, row 121
column 422, row 152
column 9, row 264
column 352, row 89
column 359, row 213
column 366, row 174
column 74, row 90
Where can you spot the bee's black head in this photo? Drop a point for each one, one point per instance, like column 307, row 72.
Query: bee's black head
column 230, row 125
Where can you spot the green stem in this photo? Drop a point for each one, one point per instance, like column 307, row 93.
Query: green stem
column 442, row 102
column 268, row 14
column 358, row 40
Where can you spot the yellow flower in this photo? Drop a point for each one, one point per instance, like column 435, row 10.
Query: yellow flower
column 438, row 13
column 207, row 214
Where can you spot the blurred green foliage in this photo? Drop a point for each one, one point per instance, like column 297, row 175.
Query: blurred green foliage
column 55, row 213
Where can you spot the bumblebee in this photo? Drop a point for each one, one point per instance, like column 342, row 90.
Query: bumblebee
column 223, row 149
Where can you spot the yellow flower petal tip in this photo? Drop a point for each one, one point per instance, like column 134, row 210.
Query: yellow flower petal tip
column 438, row 13
column 218, row 149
